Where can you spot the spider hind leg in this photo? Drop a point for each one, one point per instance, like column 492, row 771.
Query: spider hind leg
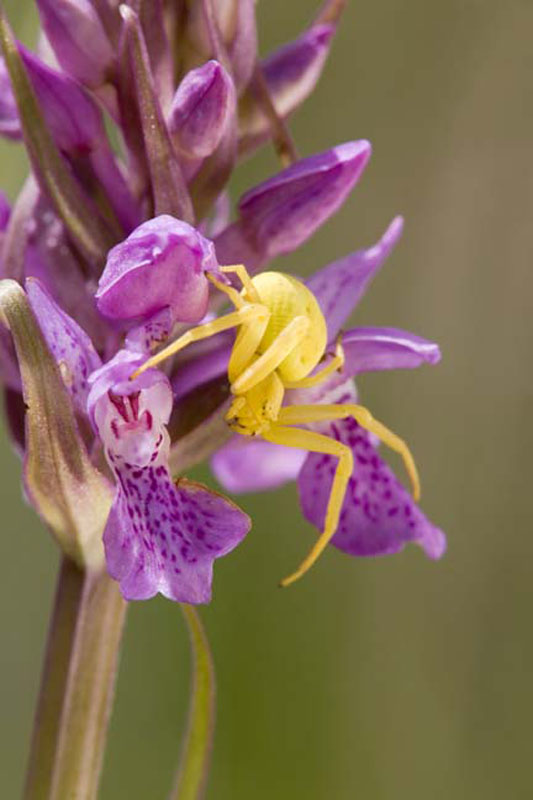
column 302, row 415
column 318, row 443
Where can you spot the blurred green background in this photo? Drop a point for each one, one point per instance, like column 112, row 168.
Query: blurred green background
column 391, row 678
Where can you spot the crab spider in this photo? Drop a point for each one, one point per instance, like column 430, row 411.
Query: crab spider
column 281, row 338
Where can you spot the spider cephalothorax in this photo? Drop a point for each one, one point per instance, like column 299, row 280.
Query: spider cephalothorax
column 281, row 339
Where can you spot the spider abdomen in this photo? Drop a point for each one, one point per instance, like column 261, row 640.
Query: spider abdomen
column 286, row 297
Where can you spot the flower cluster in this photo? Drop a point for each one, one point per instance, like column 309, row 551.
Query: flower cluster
column 118, row 247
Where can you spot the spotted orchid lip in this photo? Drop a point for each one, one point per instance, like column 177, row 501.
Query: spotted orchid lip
column 378, row 515
column 160, row 537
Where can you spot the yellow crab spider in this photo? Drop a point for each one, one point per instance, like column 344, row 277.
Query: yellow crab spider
column 281, row 338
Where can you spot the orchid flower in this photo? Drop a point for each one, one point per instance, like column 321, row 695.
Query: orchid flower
column 134, row 117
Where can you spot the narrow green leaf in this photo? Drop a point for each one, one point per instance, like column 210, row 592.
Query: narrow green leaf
column 152, row 19
column 70, row 495
column 170, row 192
column 88, row 232
column 191, row 779
column 330, row 12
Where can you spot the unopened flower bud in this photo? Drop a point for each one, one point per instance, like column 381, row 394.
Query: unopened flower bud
column 236, row 26
column 78, row 39
column 73, row 118
column 201, row 109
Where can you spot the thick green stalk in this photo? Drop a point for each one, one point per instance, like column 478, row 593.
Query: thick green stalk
column 77, row 687
column 53, row 681
column 89, row 690
column 191, row 779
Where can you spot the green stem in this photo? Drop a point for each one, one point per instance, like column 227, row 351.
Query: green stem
column 89, row 690
column 77, row 687
column 281, row 137
column 191, row 779
column 53, row 680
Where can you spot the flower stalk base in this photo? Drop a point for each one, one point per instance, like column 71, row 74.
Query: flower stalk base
column 77, row 686
column 191, row 778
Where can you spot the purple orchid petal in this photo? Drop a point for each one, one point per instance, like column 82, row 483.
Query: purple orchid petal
column 160, row 537
column 373, row 349
column 243, row 44
column 219, row 217
column 5, row 212
column 9, row 369
column 233, row 21
column 72, row 116
column 293, row 70
column 163, row 537
column 291, row 74
column 339, row 286
column 156, row 330
column 378, row 515
column 280, row 214
column 77, row 126
column 202, row 362
column 109, row 173
column 252, row 465
column 162, row 263
column 233, row 247
column 201, row 109
column 45, row 253
column 9, row 118
column 78, row 39
column 69, row 344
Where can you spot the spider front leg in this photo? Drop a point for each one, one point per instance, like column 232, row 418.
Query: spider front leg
column 285, row 342
column 250, row 334
column 317, row 443
column 235, row 297
column 244, row 276
column 301, row 415
column 245, row 316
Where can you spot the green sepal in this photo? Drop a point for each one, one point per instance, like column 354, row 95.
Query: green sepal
column 88, row 232
column 213, row 175
column 170, row 193
column 66, row 490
